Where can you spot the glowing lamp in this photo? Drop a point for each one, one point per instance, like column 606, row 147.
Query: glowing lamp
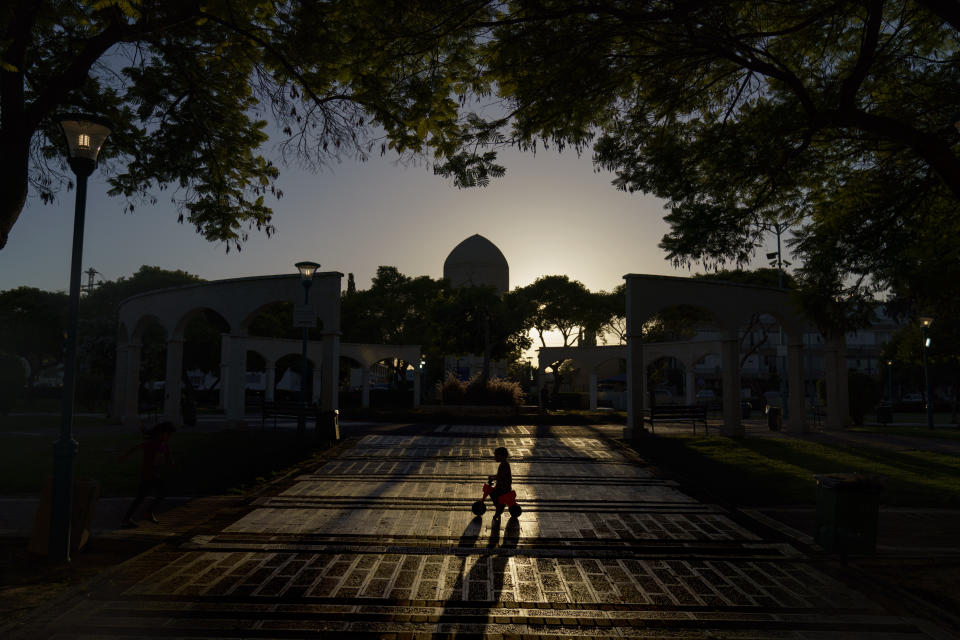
column 307, row 269
column 85, row 136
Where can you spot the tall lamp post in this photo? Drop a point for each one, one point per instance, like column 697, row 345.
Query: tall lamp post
column 890, row 382
column 307, row 269
column 85, row 136
column 925, row 322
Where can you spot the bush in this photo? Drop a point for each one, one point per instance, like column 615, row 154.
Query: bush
column 864, row 394
column 496, row 392
column 13, row 377
column 571, row 400
column 452, row 390
column 93, row 391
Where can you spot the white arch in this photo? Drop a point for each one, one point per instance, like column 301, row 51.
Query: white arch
column 237, row 300
column 732, row 305
column 687, row 352
column 366, row 355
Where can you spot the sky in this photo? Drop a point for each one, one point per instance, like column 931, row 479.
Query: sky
column 552, row 213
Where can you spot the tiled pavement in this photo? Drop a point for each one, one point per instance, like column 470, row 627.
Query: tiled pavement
column 379, row 541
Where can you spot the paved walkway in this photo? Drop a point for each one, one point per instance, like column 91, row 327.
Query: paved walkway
column 379, row 541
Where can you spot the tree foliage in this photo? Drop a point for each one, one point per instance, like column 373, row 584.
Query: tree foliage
column 13, row 377
column 33, row 326
column 560, row 304
column 193, row 89
column 738, row 112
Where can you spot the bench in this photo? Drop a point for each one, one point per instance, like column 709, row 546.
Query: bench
column 281, row 409
column 679, row 413
column 327, row 422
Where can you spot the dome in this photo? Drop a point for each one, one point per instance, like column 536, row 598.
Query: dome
column 477, row 262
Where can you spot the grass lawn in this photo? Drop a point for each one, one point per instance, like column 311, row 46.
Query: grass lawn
column 205, row 463
column 949, row 433
column 767, row 471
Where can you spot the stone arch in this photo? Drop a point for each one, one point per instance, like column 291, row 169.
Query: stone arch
column 587, row 357
column 237, row 300
column 732, row 304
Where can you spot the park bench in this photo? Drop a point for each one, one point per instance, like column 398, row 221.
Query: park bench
column 679, row 413
column 327, row 422
column 286, row 409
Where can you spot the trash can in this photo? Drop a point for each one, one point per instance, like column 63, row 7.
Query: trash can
column 774, row 418
column 885, row 414
column 848, row 505
column 745, row 410
column 328, row 425
column 82, row 506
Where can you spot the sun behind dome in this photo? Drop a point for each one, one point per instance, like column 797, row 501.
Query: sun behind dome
column 477, row 262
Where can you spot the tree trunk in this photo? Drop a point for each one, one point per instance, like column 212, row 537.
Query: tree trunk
column 487, row 351
column 14, row 154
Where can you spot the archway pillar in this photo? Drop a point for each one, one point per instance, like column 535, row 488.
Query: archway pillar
column 131, row 408
column 689, row 382
column 365, row 387
column 234, row 383
column 797, row 421
column 330, row 371
column 316, row 385
column 835, row 374
column 540, row 380
column 117, row 404
column 171, row 385
column 270, row 382
column 730, row 356
column 416, row 388
column 636, row 388
column 593, row 391
column 224, row 375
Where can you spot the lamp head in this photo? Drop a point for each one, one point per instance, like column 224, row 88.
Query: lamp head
column 889, row 363
column 85, row 136
column 926, row 321
column 307, row 269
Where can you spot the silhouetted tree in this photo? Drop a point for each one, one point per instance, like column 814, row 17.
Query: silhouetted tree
column 190, row 87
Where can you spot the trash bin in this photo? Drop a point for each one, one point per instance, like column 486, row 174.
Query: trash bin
column 82, row 506
column 328, row 425
column 774, row 418
column 885, row 414
column 848, row 505
column 745, row 410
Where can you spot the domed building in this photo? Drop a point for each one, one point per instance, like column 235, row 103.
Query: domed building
column 477, row 262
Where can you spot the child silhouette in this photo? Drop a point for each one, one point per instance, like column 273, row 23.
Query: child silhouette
column 503, row 481
column 156, row 454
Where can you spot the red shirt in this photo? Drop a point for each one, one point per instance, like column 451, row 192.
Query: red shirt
column 154, row 454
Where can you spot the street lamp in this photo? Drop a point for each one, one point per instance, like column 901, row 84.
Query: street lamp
column 85, row 136
column 307, row 269
column 890, row 381
column 925, row 322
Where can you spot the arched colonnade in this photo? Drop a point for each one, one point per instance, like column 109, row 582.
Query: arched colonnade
column 365, row 355
column 732, row 306
column 238, row 301
column 590, row 358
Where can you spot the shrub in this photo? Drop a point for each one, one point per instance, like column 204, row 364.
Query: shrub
column 864, row 394
column 452, row 390
column 13, row 377
column 497, row 392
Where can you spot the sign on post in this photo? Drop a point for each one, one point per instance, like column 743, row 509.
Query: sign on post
column 304, row 315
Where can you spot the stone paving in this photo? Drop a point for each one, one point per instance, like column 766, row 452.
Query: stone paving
column 380, row 542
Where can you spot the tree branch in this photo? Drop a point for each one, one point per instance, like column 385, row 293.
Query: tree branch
column 868, row 48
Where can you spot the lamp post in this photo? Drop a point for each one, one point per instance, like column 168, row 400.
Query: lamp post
column 307, row 269
column 925, row 322
column 85, row 136
column 890, row 381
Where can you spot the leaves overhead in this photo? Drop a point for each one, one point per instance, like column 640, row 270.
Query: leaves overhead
column 194, row 89
column 839, row 114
